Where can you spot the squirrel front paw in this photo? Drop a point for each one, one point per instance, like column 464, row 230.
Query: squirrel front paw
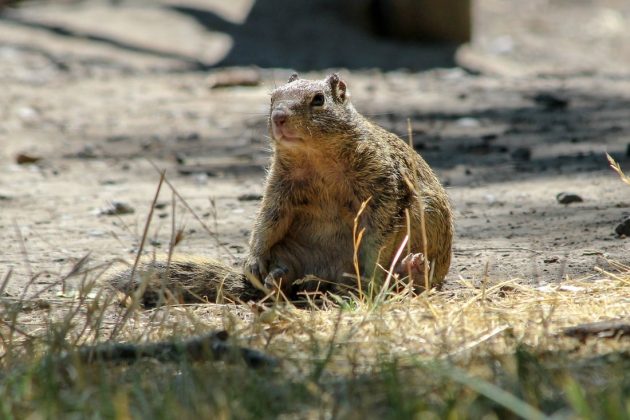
column 278, row 279
column 256, row 267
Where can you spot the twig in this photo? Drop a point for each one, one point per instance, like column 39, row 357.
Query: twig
column 602, row 329
column 479, row 340
column 210, row 346
column 138, row 255
column 501, row 248
column 212, row 234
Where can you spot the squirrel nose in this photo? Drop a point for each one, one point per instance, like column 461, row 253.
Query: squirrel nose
column 279, row 117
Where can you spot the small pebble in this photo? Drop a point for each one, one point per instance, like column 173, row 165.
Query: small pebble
column 468, row 122
column 623, row 228
column 116, row 208
column 523, row 154
column 26, row 159
column 568, row 198
column 250, row 197
column 88, row 152
column 551, row 101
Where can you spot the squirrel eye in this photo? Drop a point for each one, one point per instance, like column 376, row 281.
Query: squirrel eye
column 318, row 100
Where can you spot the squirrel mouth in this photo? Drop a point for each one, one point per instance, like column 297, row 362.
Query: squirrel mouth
column 284, row 135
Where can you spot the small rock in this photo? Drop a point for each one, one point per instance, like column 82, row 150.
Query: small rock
column 550, row 260
column 26, row 159
column 116, row 208
column 468, row 122
column 623, row 228
column 88, row 152
column 26, row 113
column 180, row 158
column 160, row 205
column 490, row 199
column 201, row 179
column 551, row 101
column 116, row 139
column 522, row 154
column 249, row 197
column 568, row 198
column 192, row 136
column 231, row 77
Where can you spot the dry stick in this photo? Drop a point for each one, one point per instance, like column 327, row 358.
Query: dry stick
column 376, row 267
column 615, row 328
column 83, row 300
column 28, row 284
column 209, row 346
column 410, row 138
column 73, row 272
column 130, row 308
column 423, row 230
column 618, row 265
column 213, row 235
column 484, row 282
column 96, row 327
column 428, row 276
column 408, row 220
column 460, row 310
column 172, row 242
column 357, row 242
column 5, row 282
column 146, row 226
column 25, row 257
column 391, row 268
column 612, row 275
column 615, row 166
column 500, row 248
column 487, row 336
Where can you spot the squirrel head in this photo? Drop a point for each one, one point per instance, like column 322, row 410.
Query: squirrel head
column 310, row 112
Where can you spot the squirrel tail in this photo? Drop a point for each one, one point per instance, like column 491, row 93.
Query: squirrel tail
column 185, row 280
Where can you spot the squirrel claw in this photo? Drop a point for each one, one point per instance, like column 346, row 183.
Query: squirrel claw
column 255, row 267
column 277, row 279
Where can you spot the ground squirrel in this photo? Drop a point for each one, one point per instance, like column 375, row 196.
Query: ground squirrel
column 327, row 161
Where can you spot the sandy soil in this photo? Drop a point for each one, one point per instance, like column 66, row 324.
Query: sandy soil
column 98, row 103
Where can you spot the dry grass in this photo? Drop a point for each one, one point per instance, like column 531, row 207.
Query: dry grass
column 484, row 347
column 378, row 357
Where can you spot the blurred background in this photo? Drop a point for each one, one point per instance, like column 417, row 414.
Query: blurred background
column 507, row 36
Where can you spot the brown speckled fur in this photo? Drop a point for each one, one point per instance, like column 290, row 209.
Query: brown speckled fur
column 315, row 187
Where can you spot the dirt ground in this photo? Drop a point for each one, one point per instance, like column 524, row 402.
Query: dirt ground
column 100, row 91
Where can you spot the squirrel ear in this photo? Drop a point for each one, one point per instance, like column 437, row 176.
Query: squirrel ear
column 338, row 87
column 293, row 77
